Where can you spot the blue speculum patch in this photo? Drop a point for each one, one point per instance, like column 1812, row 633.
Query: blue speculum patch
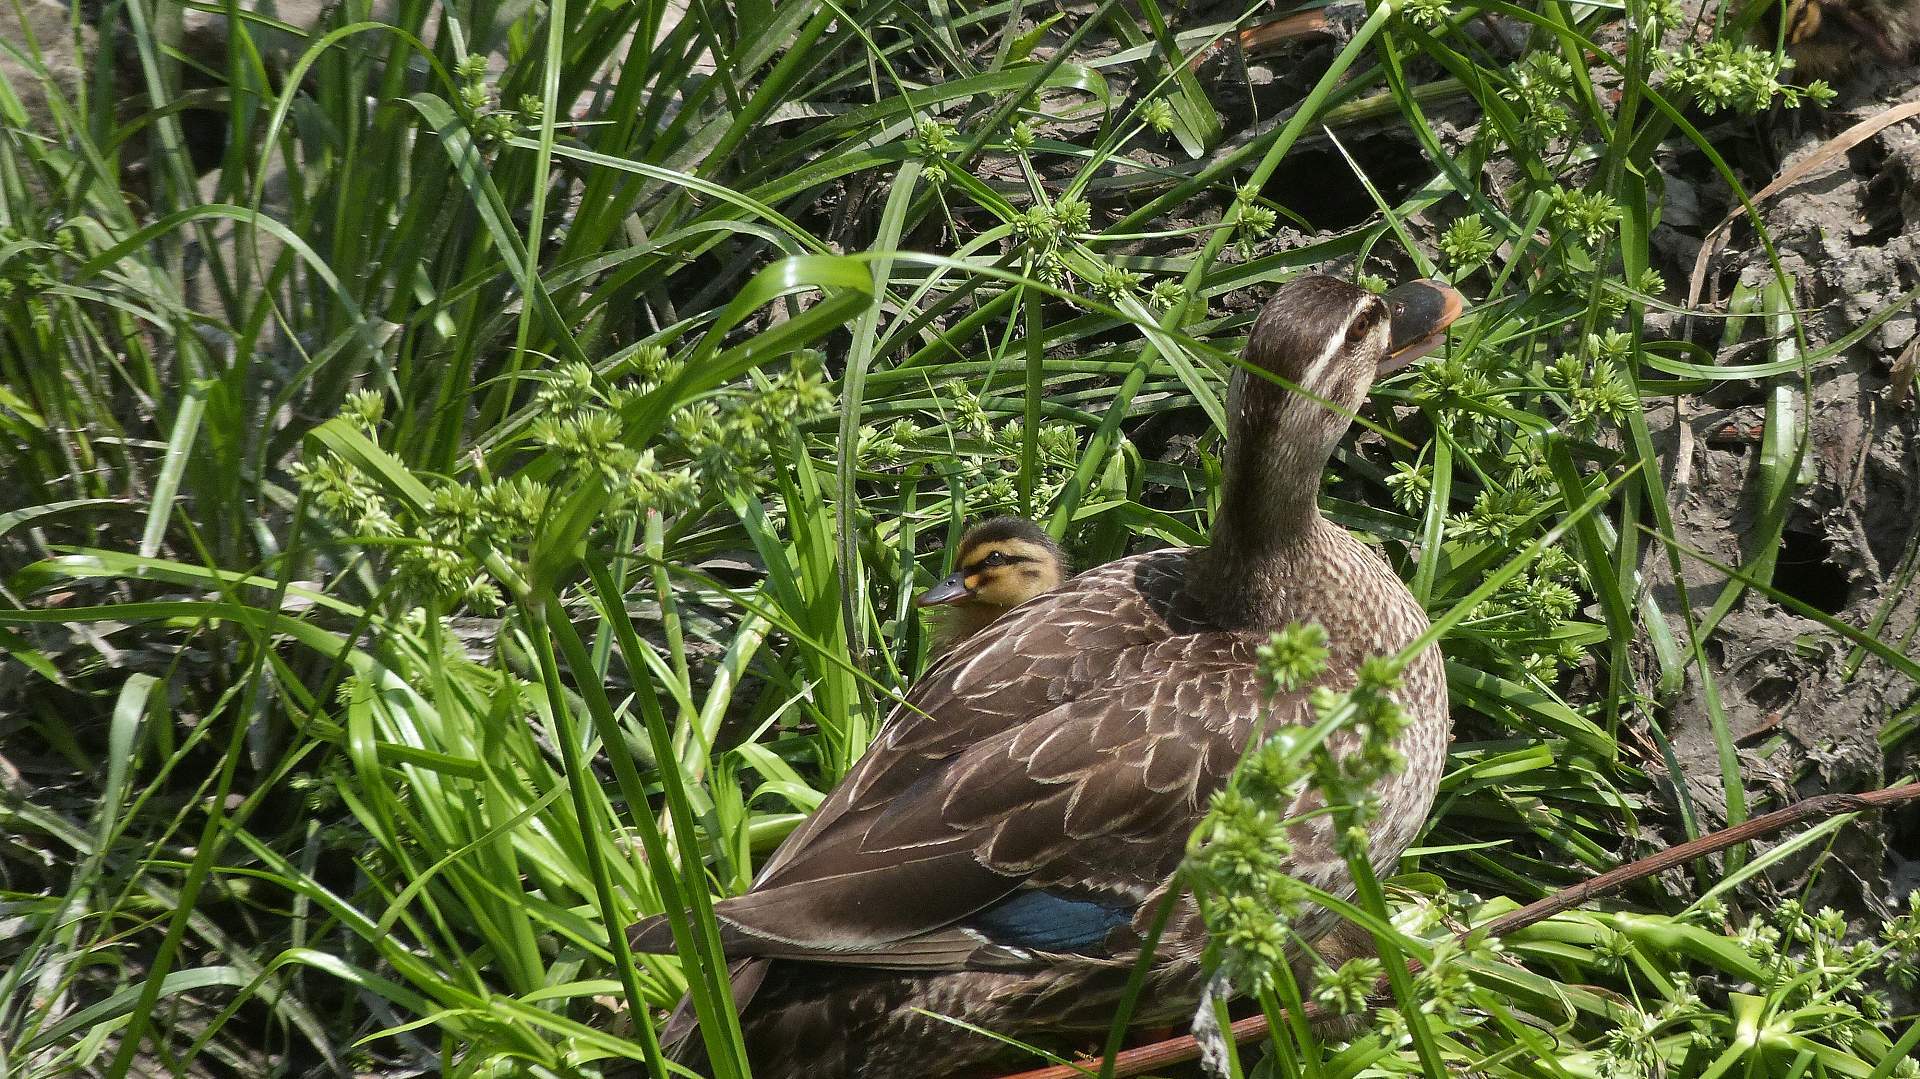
column 1049, row 922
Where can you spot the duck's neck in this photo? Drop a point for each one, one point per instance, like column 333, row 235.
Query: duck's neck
column 1269, row 524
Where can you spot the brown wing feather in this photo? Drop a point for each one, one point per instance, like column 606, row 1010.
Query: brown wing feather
column 1075, row 742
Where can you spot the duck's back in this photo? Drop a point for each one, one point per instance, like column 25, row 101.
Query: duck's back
column 1066, row 742
column 1006, row 836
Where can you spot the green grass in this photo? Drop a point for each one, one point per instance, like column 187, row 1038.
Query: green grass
column 458, row 524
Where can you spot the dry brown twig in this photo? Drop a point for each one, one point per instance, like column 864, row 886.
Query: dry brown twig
column 1147, row 1058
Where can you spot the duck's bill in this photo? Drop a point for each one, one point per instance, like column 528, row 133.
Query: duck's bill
column 952, row 590
column 1422, row 311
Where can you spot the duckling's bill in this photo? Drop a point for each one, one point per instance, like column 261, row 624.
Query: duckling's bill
column 952, row 590
column 1422, row 311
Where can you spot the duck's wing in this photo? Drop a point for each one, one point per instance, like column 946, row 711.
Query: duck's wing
column 1027, row 797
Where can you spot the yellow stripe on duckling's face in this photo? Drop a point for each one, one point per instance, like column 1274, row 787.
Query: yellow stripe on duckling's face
column 1008, row 572
column 1801, row 19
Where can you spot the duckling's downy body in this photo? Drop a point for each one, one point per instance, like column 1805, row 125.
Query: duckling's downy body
column 999, row 564
column 999, row 853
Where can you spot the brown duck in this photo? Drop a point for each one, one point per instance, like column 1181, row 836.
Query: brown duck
column 1000, row 564
column 1006, row 561
column 999, row 851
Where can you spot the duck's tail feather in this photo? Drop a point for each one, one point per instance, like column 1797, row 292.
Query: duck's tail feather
column 680, row 1037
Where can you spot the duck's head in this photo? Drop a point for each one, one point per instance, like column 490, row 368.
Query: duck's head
column 1325, row 341
column 1001, row 564
column 1322, row 341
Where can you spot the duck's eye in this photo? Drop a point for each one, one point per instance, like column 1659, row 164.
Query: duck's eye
column 994, row 558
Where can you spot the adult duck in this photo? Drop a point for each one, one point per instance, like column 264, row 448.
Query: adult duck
column 1003, row 562
column 999, row 852
column 999, row 564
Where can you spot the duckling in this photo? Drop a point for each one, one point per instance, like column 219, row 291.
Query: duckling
column 1003, row 562
column 1001, row 851
column 1828, row 39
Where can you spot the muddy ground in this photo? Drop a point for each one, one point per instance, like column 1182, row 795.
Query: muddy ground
column 1808, row 712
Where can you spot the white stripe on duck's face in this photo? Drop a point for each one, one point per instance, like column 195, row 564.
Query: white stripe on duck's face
column 1327, row 339
column 1311, row 374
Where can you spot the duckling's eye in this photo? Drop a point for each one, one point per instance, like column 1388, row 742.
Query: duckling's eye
column 994, row 558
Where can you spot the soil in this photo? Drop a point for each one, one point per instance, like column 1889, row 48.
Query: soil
column 1807, row 712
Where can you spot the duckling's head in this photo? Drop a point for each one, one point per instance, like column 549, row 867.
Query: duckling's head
column 1830, row 39
column 1001, row 564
